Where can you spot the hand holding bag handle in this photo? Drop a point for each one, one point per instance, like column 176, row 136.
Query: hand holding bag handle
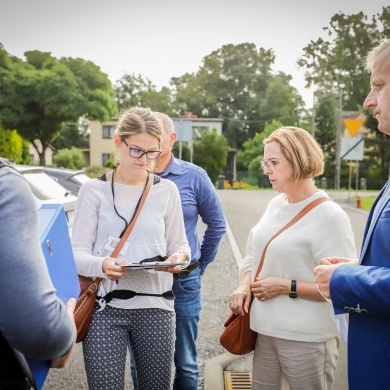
column 237, row 337
column 86, row 300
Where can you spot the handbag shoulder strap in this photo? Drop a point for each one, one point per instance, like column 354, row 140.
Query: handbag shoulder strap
column 304, row 211
column 131, row 225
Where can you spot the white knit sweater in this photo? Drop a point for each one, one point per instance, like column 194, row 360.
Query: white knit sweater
column 324, row 231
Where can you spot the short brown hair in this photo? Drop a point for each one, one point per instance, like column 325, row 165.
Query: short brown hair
column 301, row 149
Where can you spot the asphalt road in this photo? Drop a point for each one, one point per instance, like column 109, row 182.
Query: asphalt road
column 242, row 210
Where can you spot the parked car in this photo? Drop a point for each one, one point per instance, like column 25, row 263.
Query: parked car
column 70, row 179
column 47, row 190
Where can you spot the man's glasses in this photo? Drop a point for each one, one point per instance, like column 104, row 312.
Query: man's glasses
column 138, row 153
column 271, row 163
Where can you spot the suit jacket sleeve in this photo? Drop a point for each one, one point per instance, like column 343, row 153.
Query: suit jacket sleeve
column 366, row 286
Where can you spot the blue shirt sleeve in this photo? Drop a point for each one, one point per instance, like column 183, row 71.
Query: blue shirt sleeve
column 198, row 199
column 211, row 213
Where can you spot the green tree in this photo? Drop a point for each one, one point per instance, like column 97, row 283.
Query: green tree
column 326, row 127
column 236, row 82
column 94, row 171
column 135, row 90
column 69, row 158
column 336, row 63
column 11, row 145
column 185, row 151
column 41, row 93
column 188, row 96
column 253, row 149
column 281, row 101
column 72, row 134
column 248, row 159
column 376, row 144
column 210, row 153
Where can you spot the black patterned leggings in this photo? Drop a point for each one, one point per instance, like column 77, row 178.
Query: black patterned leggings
column 152, row 339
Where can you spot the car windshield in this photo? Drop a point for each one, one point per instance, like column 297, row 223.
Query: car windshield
column 44, row 187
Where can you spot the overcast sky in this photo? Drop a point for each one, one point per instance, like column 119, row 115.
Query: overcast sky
column 161, row 39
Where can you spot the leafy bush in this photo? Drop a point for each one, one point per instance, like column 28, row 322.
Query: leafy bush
column 95, row 170
column 210, row 153
column 13, row 147
column 69, row 158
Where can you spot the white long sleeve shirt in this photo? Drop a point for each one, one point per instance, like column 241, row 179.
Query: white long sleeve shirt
column 324, row 231
column 159, row 230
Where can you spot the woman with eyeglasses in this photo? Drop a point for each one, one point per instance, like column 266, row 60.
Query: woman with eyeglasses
column 134, row 305
column 297, row 340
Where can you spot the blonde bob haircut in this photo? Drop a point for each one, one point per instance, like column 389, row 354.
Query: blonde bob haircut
column 301, row 150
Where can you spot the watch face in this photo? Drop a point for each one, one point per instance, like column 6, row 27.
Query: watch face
column 293, row 294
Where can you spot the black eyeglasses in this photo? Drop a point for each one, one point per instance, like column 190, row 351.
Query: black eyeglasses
column 138, row 153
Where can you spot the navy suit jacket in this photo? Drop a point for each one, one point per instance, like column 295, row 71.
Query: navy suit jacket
column 364, row 292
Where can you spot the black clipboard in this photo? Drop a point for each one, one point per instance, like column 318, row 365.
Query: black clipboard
column 153, row 265
column 36, row 378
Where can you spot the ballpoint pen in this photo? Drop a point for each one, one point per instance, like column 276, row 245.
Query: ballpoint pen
column 116, row 281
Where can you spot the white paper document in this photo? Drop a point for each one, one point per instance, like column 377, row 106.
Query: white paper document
column 153, row 264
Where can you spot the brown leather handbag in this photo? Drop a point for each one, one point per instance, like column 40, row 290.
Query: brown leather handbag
column 89, row 287
column 237, row 337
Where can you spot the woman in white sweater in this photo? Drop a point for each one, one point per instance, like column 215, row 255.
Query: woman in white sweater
column 297, row 340
column 104, row 209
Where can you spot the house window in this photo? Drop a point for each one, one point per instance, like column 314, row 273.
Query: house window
column 202, row 128
column 108, row 131
column 105, row 157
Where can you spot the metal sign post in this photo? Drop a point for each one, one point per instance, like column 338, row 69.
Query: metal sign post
column 353, row 149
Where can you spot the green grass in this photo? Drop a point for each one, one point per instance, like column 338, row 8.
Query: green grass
column 366, row 202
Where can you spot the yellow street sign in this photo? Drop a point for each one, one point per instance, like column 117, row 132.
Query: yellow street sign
column 353, row 125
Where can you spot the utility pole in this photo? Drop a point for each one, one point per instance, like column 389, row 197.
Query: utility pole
column 313, row 117
column 338, row 142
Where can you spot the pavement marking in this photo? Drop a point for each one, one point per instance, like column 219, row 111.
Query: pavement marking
column 233, row 243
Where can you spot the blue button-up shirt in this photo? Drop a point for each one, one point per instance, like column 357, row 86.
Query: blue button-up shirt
column 198, row 198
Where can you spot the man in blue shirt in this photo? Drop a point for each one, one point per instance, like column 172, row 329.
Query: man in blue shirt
column 198, row 198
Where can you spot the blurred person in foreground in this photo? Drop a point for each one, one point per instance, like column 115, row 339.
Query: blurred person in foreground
column 363, row 291
column 198, row 199
column 33, row 319
column 297, row 340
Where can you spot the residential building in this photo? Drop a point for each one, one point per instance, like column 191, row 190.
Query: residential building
column 188, row 128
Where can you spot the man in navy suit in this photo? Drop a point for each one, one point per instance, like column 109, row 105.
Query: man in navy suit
column 363, row 291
